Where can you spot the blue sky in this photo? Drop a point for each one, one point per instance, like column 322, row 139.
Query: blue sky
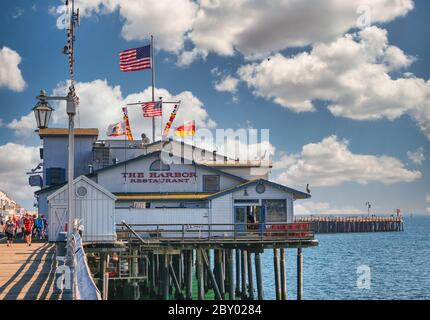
column 371, row 141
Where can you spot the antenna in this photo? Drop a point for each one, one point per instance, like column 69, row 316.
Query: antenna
column 74, row 18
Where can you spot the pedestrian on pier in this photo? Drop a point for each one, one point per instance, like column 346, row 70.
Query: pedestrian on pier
column 9, row 230
column 28, row 228
column 39, row 224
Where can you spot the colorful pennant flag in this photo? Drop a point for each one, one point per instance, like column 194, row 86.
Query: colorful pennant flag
column 152, row 109
column 116, row 129
column 170, row 121
column 187, row 130
column 127, row 124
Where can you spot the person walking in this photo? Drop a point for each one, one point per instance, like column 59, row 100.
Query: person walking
column 28, row 228
column 38, row 223
column 9, row 230
column 17, row 225
column 22, row 227
column 45, row 227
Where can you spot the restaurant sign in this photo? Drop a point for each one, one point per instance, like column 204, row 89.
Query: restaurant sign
column 159, row 177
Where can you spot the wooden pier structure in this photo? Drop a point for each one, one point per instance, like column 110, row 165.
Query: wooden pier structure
column 353, row 224
column 29, row 273
column 221, row 262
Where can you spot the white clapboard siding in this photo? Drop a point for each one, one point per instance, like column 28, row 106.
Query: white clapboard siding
column 190, row 218
column 95, row 211
column 222, row 214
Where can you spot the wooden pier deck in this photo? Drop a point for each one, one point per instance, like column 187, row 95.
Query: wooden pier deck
column 29, row 273
column 353, row 224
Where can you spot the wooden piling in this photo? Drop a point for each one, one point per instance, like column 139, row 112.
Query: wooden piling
column 189, row 275
column 200, row 282
column 165, row 279
column 237, row 252
column 230, row 274
column 219, row 275
column 283, row 276
column 299, row 274
column 243, row 268
column 259, row 275
column 277, row 275
column 250, row 277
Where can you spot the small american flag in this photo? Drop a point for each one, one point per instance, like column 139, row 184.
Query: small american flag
column 152, row 109
column 135, row 59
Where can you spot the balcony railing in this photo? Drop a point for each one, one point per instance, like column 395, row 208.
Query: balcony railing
column 214, row 232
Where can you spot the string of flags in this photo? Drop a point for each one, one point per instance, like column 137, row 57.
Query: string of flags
column 170, row 121
column 127, row 124
column 137, row 59
column 186, row 130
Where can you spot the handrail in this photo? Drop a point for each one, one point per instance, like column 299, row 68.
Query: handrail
column 235, row 231
column 134, row 232
column 84, row 287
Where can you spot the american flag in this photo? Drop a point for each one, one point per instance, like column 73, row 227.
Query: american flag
column 152, row 109
column 135, row 59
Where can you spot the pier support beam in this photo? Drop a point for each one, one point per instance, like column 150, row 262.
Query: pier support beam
column 219, row 275
column 299, row 274
column 243, row 273
column 212, row 277
column 231, row 294
column 200, row 273
column 237, row 252
column 189, row 275
column 283, row 276
column 259, row 276
column 165, row 279
column 277, row 275
column 250, row 277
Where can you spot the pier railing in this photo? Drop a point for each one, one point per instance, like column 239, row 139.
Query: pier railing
column 84, row 287
column 214, row 232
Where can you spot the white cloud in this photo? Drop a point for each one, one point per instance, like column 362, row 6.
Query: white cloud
column 100, row 105
column 417, row 156
column 253, row 28
column 227, row 84
column 257, row 28
column 10, row 74
column 331, row 163
column 168, row 21
column 352, row 74
column 318, row 208
column 15, row 161
column 25, row 126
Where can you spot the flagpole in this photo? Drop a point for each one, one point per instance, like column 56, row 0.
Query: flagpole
column 153, row 84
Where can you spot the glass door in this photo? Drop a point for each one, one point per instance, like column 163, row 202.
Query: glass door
column 240, row 218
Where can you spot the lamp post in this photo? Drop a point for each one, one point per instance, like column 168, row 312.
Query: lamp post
column 42, row 112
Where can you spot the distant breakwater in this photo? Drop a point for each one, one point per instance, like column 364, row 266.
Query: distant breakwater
column 354, row 224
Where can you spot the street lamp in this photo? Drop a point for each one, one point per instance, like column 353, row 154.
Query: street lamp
column 42, row 111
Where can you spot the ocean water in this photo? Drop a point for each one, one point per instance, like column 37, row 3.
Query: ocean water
column 399, row 265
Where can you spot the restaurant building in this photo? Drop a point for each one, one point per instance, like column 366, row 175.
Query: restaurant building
column 165, row 182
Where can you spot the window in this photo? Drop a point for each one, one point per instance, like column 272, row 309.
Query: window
column 210, row 183
column 55, row 176
column 159, row 165
column 276, row 210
